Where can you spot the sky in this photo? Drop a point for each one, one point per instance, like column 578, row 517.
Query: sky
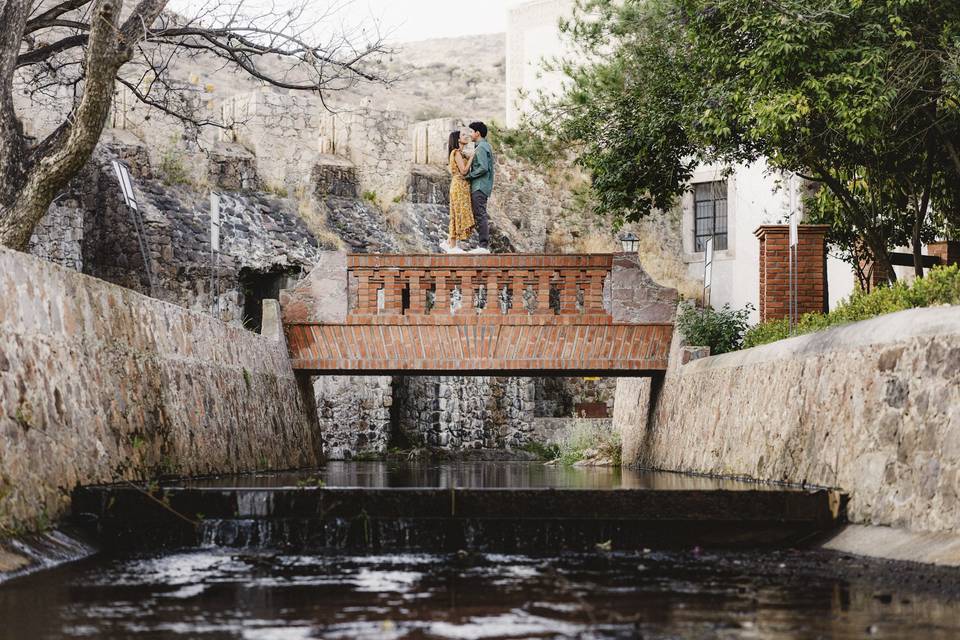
column 400, row 20
column 410, row 20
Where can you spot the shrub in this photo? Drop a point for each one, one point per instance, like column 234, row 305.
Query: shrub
column 525, row 143
column 941, row 285
column 172, row 169
column 585, row 439
column 722, row 330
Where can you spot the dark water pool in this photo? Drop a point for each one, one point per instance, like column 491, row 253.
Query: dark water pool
column 215, row 593
column 477, row 475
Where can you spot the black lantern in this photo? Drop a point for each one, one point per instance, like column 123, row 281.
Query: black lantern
column 629, row 242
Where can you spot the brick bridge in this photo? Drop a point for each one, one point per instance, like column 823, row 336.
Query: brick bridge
column 373, row 314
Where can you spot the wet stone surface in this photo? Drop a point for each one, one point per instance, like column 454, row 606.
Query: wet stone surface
column 211, row 593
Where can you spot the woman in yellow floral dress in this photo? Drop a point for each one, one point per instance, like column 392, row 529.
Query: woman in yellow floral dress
column 461, row 211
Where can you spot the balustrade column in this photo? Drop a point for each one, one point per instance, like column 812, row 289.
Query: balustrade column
column 392, row 296
column 543, row 293
column 519, row 285
column 366, row 294
column 417, row 292
column 493, row 294
column 441, row 300
column 569, row 287
column 593, row 298
column 466, row 291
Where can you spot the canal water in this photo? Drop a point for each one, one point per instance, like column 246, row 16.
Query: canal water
column 276, row 592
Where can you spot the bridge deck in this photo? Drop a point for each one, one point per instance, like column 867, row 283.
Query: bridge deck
column 479, row 315
column 480, row 349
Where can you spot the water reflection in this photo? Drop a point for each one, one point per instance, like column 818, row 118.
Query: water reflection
column 477, row 475
column 218, row 594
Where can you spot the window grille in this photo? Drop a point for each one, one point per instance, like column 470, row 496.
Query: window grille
column 710, row 214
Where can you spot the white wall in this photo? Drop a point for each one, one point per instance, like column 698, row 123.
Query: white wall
column 532, row 36
column 755, row 196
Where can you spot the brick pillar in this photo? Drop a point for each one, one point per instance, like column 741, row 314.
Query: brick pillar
column 811, row 270
column 948, row 251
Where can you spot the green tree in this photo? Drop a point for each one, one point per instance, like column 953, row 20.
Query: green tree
column 859, row 97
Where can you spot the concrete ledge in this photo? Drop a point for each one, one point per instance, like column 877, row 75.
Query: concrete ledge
column 28, row 554
column 885, row 329
column 871, row 408
column 942, row 549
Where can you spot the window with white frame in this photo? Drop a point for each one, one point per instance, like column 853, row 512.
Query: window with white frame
column 710, row 214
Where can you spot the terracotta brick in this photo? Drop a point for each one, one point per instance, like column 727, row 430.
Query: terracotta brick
column 810, row 269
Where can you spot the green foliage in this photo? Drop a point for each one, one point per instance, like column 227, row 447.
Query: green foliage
column 278, row 190
column 367, row 456
column 584, row 439
column 247, row 379
column 542, row 450
column 940, row 286
column 526, row 142
column 370, row 196
column 722, row 330
column 172, row 170
column 861, row 98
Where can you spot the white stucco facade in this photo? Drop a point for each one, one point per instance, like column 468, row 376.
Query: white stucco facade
column 532, row 37
column 755, row 195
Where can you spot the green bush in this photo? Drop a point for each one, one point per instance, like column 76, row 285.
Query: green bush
column 525, row 143
column 172, row 170
column 585, row 439
column 940, row 286
column 722, row 330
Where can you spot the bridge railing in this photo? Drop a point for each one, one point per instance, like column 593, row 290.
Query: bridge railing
column 455, row 289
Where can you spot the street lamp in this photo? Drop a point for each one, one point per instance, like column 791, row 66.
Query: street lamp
column 629, row 242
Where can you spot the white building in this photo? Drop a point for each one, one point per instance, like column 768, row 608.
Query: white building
column 729, row 205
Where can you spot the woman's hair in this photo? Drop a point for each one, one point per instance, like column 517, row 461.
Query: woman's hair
column 453, row 142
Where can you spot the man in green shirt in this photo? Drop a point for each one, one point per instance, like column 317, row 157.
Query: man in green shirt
column 480, row 176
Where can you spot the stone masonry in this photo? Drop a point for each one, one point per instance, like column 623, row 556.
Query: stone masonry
column 99, row 383
column 466, row 413
column 872, row 408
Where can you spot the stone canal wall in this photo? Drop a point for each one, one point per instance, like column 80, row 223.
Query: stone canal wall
column 99, row 383
column 872, row 408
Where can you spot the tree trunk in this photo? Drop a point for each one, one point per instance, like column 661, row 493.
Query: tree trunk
column 13, row 152
column 33, row 177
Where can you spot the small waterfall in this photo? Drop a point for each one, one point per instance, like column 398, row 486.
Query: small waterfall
column 44, row 551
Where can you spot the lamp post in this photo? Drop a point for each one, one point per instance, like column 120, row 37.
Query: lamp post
column 629, row 242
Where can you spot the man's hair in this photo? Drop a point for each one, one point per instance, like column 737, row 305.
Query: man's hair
column 480, row 128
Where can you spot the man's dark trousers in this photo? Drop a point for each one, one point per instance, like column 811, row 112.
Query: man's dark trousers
column 479, row 201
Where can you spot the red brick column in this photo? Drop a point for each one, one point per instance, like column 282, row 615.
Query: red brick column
column 811, row 270
column 948, row 251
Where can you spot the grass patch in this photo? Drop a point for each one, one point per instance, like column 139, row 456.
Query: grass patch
column 940, row 286
column 543, row 451
column 588, row 440
column 172, row 169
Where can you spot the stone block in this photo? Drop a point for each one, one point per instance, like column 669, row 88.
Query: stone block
column 634, row 296
column 320, row 297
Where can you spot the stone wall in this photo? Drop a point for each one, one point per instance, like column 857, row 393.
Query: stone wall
column 280, row 130
column 59, row 236
column 99, row 383
column 455, row 412
column 90, row 230
column 355, row 414
column 378, row 142
column 872, row 408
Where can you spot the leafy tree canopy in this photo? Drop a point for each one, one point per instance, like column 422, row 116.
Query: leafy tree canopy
column 861, row 97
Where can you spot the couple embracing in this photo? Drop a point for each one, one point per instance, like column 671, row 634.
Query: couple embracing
column 472, row 183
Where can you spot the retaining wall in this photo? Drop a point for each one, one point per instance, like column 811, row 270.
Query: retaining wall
column 99, row 383
column 872, row 408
